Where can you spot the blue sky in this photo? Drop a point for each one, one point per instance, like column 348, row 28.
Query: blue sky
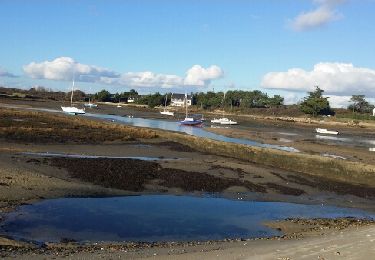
column 235, row 44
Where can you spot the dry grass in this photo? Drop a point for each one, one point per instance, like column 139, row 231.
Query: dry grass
column 38, row 127
column 339, row 170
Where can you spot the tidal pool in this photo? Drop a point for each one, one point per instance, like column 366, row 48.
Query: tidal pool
column 156, row 218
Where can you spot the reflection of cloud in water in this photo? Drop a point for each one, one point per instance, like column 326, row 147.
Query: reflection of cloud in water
column 285, row 133
column 333, row 156
column 370, row 141
column 333, row 138
column 284, row 140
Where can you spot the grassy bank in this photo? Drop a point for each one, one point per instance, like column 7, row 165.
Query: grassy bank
column 36, row 127
column 341, row 170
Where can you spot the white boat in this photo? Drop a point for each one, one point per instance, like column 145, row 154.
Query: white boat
column 223, row 120
column 226, row 121
column 326, row 131
column 165, row 111
column 90, row 105
column 73, row 110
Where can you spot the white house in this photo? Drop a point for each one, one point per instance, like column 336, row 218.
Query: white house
column 373, row 112
column 131, row 99
column 178, row 100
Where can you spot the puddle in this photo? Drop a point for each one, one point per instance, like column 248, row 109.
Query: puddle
column 333, row 138
column 156, row 218
column 83, row 156
column 289, row 134
column 333, row 156
column 285, row 140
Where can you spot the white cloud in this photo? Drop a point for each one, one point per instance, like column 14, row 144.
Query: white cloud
column 322, row 15
column 145, row 79
column 334, row 78
column 199, row 76
column 64, row 68
column 4, row 73
column 344, row 101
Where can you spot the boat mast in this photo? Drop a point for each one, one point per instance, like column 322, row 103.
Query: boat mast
column 223, row 104
column 71, row 95
column 186, row 105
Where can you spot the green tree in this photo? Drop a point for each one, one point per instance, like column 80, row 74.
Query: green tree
column 275, row 101
column 315, row 104
column 360, row 104
column 103, row 96
column 152, row 100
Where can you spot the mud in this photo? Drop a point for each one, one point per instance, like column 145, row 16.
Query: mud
column 134, row 175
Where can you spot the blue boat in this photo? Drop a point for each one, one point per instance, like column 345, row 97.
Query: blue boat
column 190, row 121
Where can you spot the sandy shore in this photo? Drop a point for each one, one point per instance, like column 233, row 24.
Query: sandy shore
column 25, row 178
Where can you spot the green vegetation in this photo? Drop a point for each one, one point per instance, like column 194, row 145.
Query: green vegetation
column 360, row 104
column 38, row 127
column 236, row 98
column 339, row 170
column 103, row 96
column 315, row 104
column 151, row 100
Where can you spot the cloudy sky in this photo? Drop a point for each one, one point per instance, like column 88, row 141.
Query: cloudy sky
column 281, row 47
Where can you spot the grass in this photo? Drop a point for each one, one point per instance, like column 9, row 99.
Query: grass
column 38, row 127
column 341, row 170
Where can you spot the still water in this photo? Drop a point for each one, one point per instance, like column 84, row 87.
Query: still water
column 155, row 218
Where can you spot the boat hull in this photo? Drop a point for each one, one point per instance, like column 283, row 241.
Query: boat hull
column 167, row 113
column 191, row 122
column 223, row 121
column 90, row 105
column 325, row 131
column 73, row 110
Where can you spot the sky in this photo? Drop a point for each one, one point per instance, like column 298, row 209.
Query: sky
column 284, row 47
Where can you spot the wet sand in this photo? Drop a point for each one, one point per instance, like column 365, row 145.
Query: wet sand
column 26, row 178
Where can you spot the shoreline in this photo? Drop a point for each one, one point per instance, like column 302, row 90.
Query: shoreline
column 33, row 177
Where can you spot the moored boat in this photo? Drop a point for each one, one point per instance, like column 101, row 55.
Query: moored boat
column 190, row 121
column 73, row 110
column 326, row 131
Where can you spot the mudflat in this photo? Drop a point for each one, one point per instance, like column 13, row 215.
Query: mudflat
column 26, row 176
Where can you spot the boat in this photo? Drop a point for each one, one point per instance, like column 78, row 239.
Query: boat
column 223, row 120
column 165, row 111
column 73, row 110
column 326, row 131
column 90, row 105
column 190, row 121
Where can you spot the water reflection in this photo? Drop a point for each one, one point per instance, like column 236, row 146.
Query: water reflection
column 196, row 131
column 156, row 218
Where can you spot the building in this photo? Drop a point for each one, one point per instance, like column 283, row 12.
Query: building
column 178, row 100
column 131, row 99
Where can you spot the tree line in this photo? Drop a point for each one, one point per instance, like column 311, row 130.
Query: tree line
column 314, row 103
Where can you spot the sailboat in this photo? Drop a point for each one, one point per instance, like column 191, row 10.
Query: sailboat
column 73, row 110
column 223, row 120
column 190, row 121
column 165, row 111
column 90, row 105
